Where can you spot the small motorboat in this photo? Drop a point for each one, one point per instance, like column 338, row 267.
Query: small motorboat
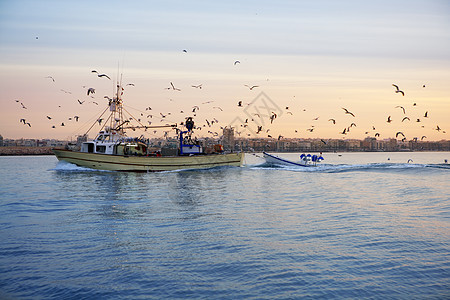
column 306, row 160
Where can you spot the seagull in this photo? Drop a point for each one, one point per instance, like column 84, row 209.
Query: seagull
column 344, row 131
column 410, row 160
column 332, row 120
column 23, row 106
column 90, row 91
column 240, row 103
column 398, row 90
column 94, row 102
column 49, row 117
column 23, row 120
column 184, row 50
column 426, row 114
column 104, row 75
column 76, row 118
column 81, row 102
column 423, row 137
column 99, row 121
column 51, row 78
column 438, row 128
column 401, row 108
column 100, row 75
column 377, row 134
column 398, row 133
column 272, row 117
column 406, row 118
column 197, row 86
column 62, row 124
column 389, row 119
column 218, row 108
column 194, row 108
column 237, row 62
column 174, row 88
column 347, row 112
column 132, row 84
column 251, row 87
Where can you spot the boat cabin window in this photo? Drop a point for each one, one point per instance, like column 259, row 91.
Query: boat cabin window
column 87, row 147
column 100, row 149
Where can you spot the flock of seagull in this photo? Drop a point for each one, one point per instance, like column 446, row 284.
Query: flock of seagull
column 257, row 127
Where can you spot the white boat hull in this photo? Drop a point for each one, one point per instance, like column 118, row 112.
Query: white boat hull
column 148, row 163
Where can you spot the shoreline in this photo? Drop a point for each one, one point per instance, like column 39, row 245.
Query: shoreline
column 21, row 151
column 25, row 151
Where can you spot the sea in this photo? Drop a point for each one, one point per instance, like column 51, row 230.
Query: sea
column 358, row 226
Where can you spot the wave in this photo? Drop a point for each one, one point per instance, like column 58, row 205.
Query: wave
column 69, row 167
column 330, row 168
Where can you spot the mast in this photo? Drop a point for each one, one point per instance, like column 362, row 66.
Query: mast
column 115, row 107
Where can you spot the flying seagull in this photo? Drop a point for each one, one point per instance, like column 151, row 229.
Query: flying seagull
column 398, row 106
column 398, row 133
column 237, row 62
column 90, row 91
column 51, row 78
column 100, row 75
column 347, row 112
column 174, row 88
column 398, row 90
column 251, row 87
column 104, row 75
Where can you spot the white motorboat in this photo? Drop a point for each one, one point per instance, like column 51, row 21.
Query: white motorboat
column 306, row 160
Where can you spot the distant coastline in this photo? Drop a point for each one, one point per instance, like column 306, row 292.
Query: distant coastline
column 11, row 151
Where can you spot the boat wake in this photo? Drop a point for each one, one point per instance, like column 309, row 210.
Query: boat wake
column 340, row 168
column 69, row 167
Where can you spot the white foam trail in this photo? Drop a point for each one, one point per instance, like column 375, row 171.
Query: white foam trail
column 66, row 166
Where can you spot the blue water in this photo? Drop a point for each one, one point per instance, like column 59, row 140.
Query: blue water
column 362, row 225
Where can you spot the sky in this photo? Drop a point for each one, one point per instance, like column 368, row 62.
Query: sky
column 308, row 59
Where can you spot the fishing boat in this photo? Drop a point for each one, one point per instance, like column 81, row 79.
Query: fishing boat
column 306, row 160
column 113, row 150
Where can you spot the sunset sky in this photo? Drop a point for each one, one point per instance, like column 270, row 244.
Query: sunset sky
column 310, row 59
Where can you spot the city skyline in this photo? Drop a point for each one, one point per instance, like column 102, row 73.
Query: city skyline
column 310, row 60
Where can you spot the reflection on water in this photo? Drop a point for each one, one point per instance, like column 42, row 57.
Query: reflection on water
column 368, row 229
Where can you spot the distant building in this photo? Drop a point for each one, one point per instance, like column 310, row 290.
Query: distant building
column 1, row 140
column 228, row 139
